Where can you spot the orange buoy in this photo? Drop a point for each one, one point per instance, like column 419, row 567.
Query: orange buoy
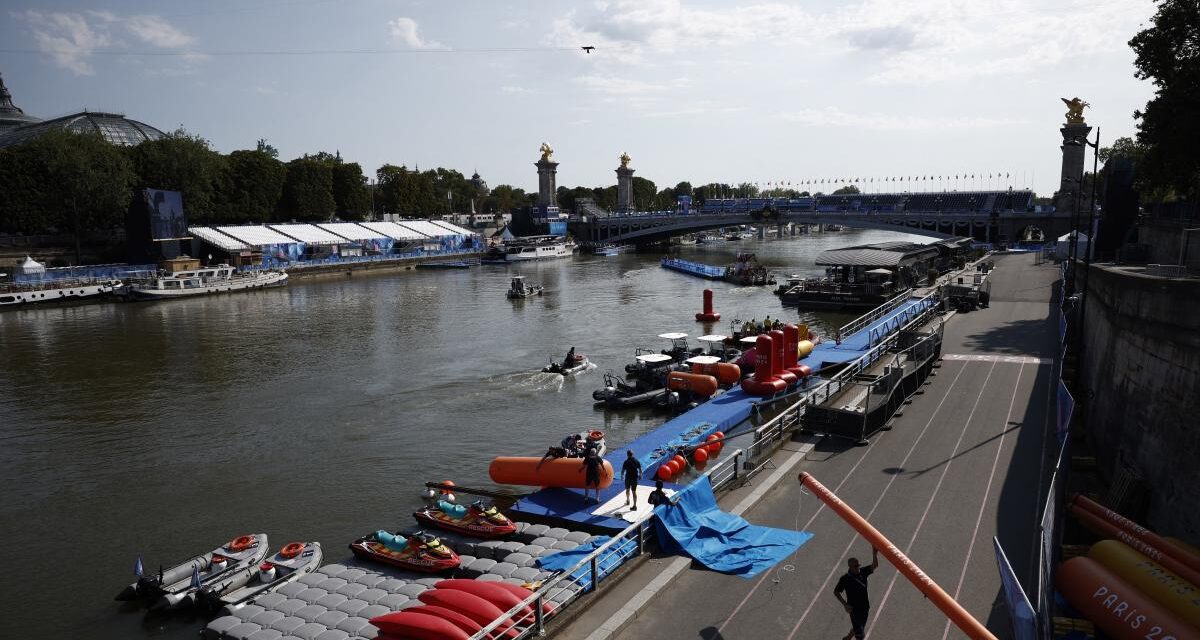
column 673, row 467
column 1107, row 528
column 1125, row 524
column 804, row 348
column 1115, row 606
column 681, row 460
column 698, row 384
column 664, row 472
column 535, row 472
column 291, row 550
column 725, row 372
column 1151, row 578
column 708, row 315
column 700, row 455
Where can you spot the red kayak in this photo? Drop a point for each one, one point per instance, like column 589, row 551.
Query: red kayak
column 476, row 520
column 419, row 552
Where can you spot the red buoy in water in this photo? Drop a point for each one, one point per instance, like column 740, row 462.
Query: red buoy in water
column 708, row 315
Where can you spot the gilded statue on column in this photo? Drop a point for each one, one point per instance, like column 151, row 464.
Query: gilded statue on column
column 625, row 160
column 1075, row 108
column 546, row 152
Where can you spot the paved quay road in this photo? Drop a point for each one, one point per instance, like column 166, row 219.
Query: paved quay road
column 967, row 460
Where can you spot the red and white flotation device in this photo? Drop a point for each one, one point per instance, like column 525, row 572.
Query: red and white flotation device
column 763, row 382
column 708, row 315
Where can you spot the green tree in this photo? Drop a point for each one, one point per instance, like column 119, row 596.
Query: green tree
column 505, row 198
column 848, row 189
column 183, row 162
column 1168, row 54
column 307, row 191
column 66, row 182
column 352, row 199
column 267, row 149
column 253, row 188
column 644, row 192
column 684, row 189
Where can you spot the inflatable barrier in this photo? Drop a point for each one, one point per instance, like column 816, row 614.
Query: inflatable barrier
column 1106, row 528
column 696, row 383
column 1115, row 606
column 419, row 626
column 534, row 472
column 1168, row 589
column 1151, row 538
column 726, row 373
column 470, row 605
column 777, row 368
column 763, row 383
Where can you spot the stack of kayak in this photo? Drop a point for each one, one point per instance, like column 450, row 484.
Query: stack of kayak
column 229, row 575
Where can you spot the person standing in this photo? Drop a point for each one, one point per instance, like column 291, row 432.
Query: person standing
column 854, row 585
column 591, row 479
column 631, row 471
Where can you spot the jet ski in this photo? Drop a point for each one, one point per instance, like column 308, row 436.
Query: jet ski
column 561, row 367
column 177, row 586
column 419, row 552
column 476, row 520
column 295, row 559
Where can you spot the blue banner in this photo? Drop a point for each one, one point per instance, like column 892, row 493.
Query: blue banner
column 1020, row 612
column 1066, row 406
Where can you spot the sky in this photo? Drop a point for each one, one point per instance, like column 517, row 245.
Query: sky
column 761, row 92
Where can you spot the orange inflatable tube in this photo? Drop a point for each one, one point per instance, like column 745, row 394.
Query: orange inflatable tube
column 942, row 600
column 1107, row 528
column 1151, row 538
column 1114, row 606
column 724, row 372
column 1149, row 577
column 696, row 383
column 534, row 472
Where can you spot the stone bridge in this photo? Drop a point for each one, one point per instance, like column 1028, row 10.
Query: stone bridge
column 1005, row 226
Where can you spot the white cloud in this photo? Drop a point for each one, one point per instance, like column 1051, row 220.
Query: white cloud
column 68, row 38
column 621, row 86
column 508, row 88
column 835, row 117
column 694, row 110
column 72, row 38
column 406, row 31
column 155, row 31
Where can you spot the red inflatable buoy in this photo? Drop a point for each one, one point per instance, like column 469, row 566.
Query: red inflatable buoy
column 419, row 626
column 664, row 472
column 708, row 315
column 700, row 455
column 502, row 598
column 468, row 604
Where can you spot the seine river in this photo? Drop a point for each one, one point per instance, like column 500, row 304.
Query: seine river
column 310, row 412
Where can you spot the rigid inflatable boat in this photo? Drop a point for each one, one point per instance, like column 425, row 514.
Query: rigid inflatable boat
column 295, row 559
column 476, row 520
column 581, row 364
column 419, row 552
column 176, row 586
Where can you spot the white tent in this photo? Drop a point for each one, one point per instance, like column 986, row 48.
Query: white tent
column 1062, row 250
column 30, row 266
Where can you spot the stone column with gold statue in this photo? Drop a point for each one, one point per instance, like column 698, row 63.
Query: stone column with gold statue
column 624, row 185
column 1075, row 130
column 547, row 188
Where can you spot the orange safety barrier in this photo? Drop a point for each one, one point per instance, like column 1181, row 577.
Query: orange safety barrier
column 942, row 600
column 1107, row 528
column 696, row 383
column 1115, row 606
column 1138, row 530
column 724, row 372
column 534, row 472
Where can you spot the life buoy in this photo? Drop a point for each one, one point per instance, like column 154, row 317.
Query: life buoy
column 596, row 435
column 240, row 544
column 291, row 550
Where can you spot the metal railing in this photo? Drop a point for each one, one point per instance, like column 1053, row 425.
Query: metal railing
column 865, row 321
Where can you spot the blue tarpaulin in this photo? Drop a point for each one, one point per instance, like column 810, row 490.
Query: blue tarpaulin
column 696, row 526
column 606, row 563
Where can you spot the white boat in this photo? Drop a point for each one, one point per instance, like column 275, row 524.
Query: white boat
column 519, row 290
column 19, row 294
column 538, row 248
column 613, row 249
column 203, row 281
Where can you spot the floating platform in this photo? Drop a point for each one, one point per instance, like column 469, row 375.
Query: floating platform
column 455, row 264
column 698, row 269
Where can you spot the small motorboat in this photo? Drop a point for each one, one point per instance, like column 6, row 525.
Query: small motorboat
column 618, row 394
column 561, row 367
column 177, row 586
column 419, row 552
column 295, row 559
column 519, row 290
column 475, row 520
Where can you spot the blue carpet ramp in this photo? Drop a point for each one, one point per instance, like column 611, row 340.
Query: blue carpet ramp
column 723, row 542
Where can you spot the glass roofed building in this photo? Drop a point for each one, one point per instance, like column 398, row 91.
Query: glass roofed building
column 17, row 127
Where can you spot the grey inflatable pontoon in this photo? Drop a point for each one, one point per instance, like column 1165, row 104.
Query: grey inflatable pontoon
column 177, row 586
column 292, row 561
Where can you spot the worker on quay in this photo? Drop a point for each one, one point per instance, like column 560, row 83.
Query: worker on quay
column 571, row 444
column 592, row 463
column 631, row 471
column 856, row 602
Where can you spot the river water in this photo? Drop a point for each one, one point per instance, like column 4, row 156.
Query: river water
column 310, row 412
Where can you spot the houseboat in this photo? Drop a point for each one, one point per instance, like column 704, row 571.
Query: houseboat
column 865, row 276
column 538, row 248
column 184, row 277
column 38, row 287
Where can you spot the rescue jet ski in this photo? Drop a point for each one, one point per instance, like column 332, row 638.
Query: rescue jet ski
column 419, row 552
column 477, row 520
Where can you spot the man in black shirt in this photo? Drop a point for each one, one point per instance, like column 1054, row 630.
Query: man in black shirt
column 854, row 585
column 592, row 464
column 658, row 496
column 631, row 470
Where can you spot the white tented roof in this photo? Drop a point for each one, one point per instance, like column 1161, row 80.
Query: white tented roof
column 394, row 230
column 29, row 265
column 351, row 231
column 673, row 336
column 427, row 228
column 716, row 337
column 256, row 235
column 217, row 239
column 653, row 358
column 308, row 233
column 750, row 340
column 453, row 228
column 703, row 360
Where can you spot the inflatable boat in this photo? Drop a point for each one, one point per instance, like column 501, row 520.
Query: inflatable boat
column 176, row 586
column 619, row 394
column 559, row 367
column 418, row 552
column 476, row 520
column 295, row 559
